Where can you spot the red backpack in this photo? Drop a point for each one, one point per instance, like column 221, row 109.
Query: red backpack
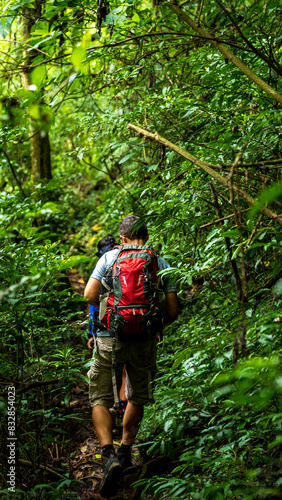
column 130, row 302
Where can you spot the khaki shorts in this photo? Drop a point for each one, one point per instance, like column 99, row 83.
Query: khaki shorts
column 140, row 361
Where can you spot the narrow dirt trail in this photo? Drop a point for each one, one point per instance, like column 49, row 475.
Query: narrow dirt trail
column 85, row 462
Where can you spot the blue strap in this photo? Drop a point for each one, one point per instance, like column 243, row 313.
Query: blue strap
column 93, row 313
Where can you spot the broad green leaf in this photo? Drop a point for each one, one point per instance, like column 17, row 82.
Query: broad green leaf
column 38, row 76
column 236, row 251
column 73, row 261
column 78, row 56
column 127, row 157
column 20, row 4
column 5, row 25
column 268, row 195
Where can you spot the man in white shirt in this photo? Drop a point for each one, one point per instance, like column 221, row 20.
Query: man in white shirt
column 138, row 355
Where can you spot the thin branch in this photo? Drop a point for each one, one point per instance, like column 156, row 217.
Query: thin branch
column 253, row 232
column 268, row 284
column 238, row 220
column 200, row 11
column 161, row 33
column 261, row 163
column 14, row 173
column 113, row 179
column 116, row 44
column 222, row 219
column 27, row 463
column 27, row 387
column 260, row 54
column 229, row 55
column 204, row 166
column 257, row 176
column 233, row 262
column 172, row 180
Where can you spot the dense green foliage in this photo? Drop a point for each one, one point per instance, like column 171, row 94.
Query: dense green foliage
column 220, row 425
column 78, row 77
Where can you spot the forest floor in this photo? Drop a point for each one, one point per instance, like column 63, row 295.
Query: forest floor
column 84, row 461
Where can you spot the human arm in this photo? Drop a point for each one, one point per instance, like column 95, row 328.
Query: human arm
column 93, row 287
column 171, row 307
column 92, row 291
column 90, row 344
column 169, row 310
column 169, row 291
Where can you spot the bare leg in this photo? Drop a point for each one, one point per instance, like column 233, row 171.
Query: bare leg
column 131, row 422
column 121, row 392
column 102, row 422
column 113, row 471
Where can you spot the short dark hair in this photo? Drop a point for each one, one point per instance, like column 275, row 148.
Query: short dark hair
column 129, row 228
column 105, row 245
column 107, row 240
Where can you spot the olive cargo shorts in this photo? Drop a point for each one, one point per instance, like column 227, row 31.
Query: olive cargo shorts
column 140, row 361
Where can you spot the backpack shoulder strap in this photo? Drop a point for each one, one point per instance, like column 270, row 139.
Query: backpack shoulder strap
column 110, row 268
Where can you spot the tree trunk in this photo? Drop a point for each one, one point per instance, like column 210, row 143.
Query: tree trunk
column 39, row 140
column 40, row 157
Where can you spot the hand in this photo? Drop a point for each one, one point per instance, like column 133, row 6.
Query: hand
column 90, row 344
column 158, row 337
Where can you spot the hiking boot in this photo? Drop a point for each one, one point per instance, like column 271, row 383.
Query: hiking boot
column 125, row 459
column 113, row 474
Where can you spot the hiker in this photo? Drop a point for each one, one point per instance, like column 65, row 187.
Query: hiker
column 105, row 245
column 126, row 336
